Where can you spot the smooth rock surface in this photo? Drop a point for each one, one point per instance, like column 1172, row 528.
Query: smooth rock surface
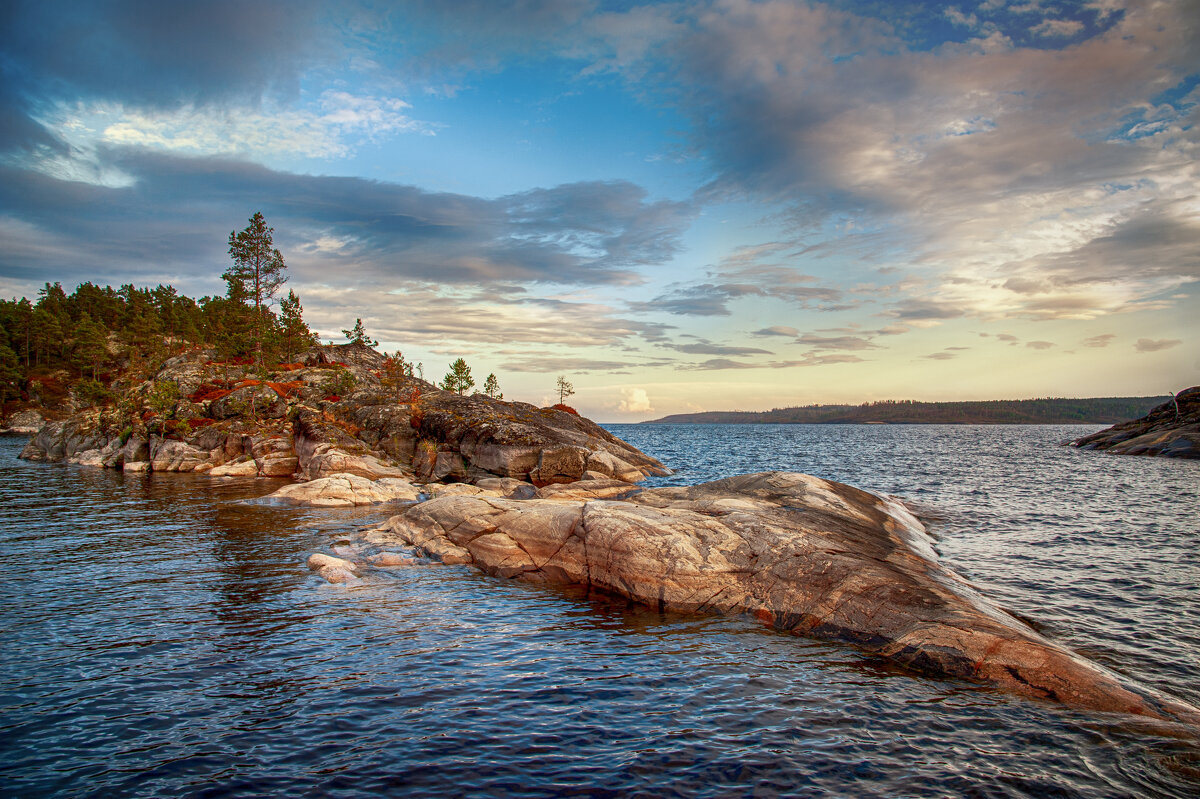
column 347, row 490
column 1170, row 430
column 235, row 469
column 334, row 570
column 796, row 552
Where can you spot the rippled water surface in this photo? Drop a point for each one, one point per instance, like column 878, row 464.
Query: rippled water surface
column 161, row 636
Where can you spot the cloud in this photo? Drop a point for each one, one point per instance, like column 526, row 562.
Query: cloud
column 167, row 53
column 609, row 223
column 815, row 359
column 745, row 275
column 1039, row 345
column 1154, row 345
column 173, row 219
column 923, row 311
column 940, row 356
column 708, row 348
column 714, row 364
column 1008, row 159
column 327, row 130
column 430, row 316
column 560, row 365
column 1102, row 340
column 635, row 400
column 809, row 359
column 776, row 330
column 836, row 342
column 1057, row 28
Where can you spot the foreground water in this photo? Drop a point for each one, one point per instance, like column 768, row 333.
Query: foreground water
column 162, row 637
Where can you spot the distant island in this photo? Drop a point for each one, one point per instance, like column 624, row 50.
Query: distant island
column 1097, row 410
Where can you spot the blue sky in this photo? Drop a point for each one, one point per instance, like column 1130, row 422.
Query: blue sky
column 680, row 206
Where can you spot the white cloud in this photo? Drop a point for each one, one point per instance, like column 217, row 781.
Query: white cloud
column 332, row 127
column 634, row 400
column 1057, row 28
column 974, row 164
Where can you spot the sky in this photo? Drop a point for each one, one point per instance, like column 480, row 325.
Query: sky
column 677, row 206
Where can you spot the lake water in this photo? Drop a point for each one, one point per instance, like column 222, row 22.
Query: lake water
column 161, row 636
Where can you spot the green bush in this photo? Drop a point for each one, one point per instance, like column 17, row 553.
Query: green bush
column 93, row 392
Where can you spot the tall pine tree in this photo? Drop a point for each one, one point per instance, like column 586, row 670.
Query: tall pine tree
column 257, row 273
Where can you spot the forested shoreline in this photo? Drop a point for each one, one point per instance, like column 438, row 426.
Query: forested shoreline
column 77, row 344
column 1050, row 410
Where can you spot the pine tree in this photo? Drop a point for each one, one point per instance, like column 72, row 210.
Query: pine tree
column 294, row 334
column 257, row 272
column 359, row 335
column 91, row 349
column 47, row 333
column 564, row 389
column 10, row 373
column 458, row 379
column 491, row 387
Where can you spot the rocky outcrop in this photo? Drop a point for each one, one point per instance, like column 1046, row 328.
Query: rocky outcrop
column 324, row 447
column 23, row 423
column 340, row 410
column 346, row 490
column 483, row 437
column 1170, row 430
column 798, row 553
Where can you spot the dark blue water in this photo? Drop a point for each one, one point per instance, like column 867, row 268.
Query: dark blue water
column 160, row 637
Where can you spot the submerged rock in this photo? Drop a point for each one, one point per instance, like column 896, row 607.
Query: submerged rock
column 334, row 570
column 1170, row 430
column 346, row 490
column 798, row 553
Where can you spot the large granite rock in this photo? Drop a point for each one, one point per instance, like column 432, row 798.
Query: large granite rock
column 325, row 446
column 798, row 553
column 494, row 438
column 346, row 490
column 58, row 440
column 1170, row 430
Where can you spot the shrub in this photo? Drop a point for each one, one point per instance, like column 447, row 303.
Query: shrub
column 558, row 406
column 93, row 392
column 339, row 383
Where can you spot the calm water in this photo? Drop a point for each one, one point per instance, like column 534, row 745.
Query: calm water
column 160, row 636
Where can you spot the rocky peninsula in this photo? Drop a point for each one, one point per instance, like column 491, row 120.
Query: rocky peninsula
column 335, row 411
column 546, row 496
column 1169, row 430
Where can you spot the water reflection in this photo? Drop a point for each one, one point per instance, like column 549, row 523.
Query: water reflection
column 163, row 638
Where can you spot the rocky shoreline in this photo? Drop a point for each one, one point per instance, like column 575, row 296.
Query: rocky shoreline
column 796, row 553
column 337, row 411
column 545, row 496
column 1170, row 430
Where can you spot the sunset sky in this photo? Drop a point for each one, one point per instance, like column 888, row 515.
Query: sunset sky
column 679, row 206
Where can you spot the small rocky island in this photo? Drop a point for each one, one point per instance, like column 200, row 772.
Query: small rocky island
column 546, row 496
column 1170, row 430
